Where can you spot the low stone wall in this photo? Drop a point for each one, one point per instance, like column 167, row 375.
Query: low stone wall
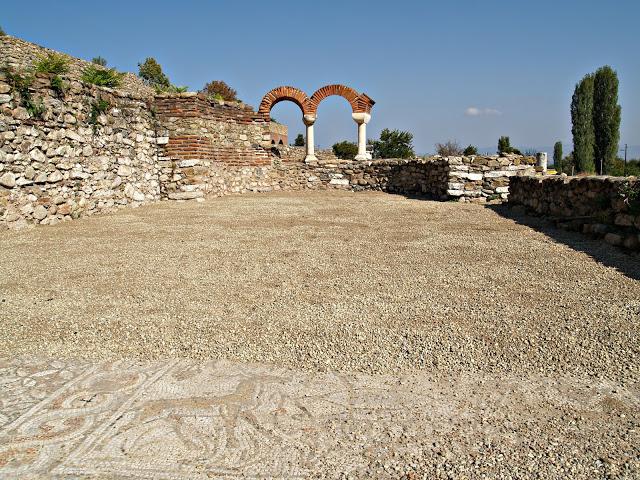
column 480, row 178
column 607, row 207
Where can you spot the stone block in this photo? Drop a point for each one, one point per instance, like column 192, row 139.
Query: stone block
column 8, row 180
column 185, row 195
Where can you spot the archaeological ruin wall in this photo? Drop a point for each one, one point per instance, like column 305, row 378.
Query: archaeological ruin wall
column 603, row 207
column 91, row 149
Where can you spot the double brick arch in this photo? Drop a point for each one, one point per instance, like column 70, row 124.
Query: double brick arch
column 360, row 102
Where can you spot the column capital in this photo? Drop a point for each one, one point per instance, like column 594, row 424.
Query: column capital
column 309, row 119
column 361, row 117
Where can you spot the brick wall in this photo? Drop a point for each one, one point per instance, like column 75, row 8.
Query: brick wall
column 279, row 134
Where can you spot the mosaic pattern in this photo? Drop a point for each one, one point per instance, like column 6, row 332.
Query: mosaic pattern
column 177, row 419
column 182, row 419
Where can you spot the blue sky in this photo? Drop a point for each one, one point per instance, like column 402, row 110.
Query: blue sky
column 465, row 70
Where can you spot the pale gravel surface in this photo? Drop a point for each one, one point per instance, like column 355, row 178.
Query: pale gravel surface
column 365, row 282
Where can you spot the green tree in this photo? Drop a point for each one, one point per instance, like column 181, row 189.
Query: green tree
column 393, row 144
column 606, row 118
column 504, row 146
column 470, row 150
column 557, row 156
column 299, row 141
column 582, row 125
column 151, row 72
column 218, row 89
column 345, row 150
column 99, row 61
column 2, row 34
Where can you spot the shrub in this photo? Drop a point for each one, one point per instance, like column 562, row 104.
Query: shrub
column 2, row 34
column 174, row 89
column 299, row 141
column 104, row 77
column 630, row 192
column 345, row 150
column 504, row 146
column 221, row 89
column 393, row 144
column 448, row 149
column 151, row 73
column 52, row 63
column 58, row 85
column 99, row 61
column 21, row 82
column 470, row 150
column 98, row 107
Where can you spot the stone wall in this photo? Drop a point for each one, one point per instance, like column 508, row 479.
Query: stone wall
column 279, row 133
column 481, row 178
column 63, row 165
column 80, row 157
column 21, row 55
column 607, row 207
column 204, row 141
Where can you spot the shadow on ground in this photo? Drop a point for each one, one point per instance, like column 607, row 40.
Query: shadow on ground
column 624, row 261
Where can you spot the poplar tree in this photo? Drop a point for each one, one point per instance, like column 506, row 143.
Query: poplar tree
column 606, row 118
column 582, row 125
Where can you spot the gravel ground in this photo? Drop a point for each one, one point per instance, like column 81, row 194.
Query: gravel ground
column 343, row 282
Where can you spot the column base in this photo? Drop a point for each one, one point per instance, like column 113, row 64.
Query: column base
column 310, row 158
column 364, row 156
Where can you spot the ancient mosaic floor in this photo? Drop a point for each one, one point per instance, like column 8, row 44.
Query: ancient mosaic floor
column 188, row 420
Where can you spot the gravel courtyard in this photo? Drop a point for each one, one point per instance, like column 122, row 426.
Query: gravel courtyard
column 368, row 285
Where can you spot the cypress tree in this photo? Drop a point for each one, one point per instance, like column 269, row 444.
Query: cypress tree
column 557, row 156
column 582, row 125
column 606, row 118
column 504, row 145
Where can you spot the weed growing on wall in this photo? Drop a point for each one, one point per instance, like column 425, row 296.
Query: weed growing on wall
column 53, row 63
column 21, row 83
column 99, row 61
column 58, row 85
column 104, row 77
column 98, row 107
column 630, row 192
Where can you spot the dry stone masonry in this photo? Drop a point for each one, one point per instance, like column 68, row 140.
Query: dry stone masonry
column 605, row 207
column 74, row 160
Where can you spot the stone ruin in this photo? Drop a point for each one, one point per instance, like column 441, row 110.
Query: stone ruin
column 144, row 147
